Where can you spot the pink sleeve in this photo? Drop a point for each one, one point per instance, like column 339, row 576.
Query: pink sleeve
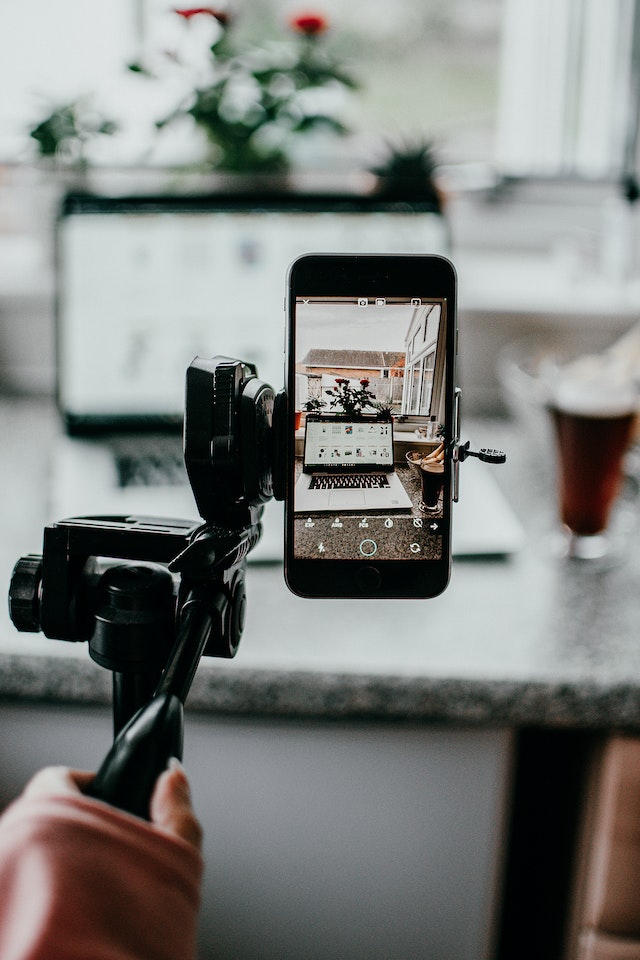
column 79, row 880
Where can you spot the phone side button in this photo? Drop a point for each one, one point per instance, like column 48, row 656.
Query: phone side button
column 368, row 579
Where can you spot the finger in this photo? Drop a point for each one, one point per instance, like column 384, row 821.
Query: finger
column 171, row 808
column 56, row 781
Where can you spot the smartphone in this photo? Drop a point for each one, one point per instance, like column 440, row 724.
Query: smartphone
column 370, row 381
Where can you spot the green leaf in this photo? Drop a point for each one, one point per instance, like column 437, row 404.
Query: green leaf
column 312, row 121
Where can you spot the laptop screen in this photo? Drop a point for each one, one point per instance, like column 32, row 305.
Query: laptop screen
column 347, row 446
column 144, row 284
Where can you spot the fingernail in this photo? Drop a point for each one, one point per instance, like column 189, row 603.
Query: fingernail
column 175, row 764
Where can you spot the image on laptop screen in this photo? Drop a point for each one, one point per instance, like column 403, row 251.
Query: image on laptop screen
column 145, row 284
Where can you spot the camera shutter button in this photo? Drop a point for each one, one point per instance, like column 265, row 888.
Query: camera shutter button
column 368, row 548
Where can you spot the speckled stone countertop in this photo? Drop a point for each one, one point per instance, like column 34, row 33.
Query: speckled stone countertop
column 518, row 641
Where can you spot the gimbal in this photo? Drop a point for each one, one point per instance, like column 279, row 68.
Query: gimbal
column 150, row 595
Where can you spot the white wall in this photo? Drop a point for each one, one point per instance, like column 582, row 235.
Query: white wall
column 323, row 840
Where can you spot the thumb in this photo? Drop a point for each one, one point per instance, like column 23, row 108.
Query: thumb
column 171, row 809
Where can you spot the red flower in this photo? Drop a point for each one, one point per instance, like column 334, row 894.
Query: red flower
column 364, row 383
column 188, row 12
column 311, row 24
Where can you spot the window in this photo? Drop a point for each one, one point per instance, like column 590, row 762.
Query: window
column 53, row 51
column 569, row 83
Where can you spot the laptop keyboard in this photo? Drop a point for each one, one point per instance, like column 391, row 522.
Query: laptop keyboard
column 350, row 481
column 161, row 464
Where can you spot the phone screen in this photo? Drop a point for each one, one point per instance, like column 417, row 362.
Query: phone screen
column 370, row 389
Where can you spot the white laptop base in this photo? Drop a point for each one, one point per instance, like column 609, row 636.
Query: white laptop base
column 390, row 497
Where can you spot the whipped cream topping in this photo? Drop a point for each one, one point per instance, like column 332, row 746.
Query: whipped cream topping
column 598, row 385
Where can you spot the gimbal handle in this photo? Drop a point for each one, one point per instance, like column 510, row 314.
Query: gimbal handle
column 143, row 748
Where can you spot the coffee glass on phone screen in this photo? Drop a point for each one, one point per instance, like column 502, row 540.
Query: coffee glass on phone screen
column 430, row 471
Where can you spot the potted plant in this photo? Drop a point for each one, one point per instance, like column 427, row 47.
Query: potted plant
column 62, row 136
column 408, row 171
column 252, row 103
column 384, row 410
column 311, row 405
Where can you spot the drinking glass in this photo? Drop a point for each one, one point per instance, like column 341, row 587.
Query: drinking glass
column 590, row 452
column 592, row 413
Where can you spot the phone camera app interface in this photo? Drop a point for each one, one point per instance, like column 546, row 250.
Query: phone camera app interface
column 370, row 466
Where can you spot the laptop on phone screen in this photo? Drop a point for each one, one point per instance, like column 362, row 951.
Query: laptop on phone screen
column 348, row 465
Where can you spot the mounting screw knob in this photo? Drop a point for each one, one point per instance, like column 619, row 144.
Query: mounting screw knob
column 486, row 454
column 24, row 593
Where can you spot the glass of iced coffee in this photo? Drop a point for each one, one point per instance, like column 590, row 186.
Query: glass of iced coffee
column 430, row 469
column 593, row 411
column 432, row 482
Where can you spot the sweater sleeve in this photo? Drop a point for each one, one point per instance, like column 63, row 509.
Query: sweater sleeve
column 80, row 880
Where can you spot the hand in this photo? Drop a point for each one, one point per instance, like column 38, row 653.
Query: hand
column 171, row 810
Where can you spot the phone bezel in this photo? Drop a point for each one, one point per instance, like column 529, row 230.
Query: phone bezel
column 382, row 275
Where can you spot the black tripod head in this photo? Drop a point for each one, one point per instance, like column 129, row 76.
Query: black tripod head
column 152, row 595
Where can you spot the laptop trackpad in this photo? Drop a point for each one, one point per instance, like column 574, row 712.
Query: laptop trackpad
column 351, row 500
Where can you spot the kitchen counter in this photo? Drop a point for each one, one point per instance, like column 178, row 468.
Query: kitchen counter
column 523, row 640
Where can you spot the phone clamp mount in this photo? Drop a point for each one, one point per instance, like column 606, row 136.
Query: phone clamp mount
column 461, row 451
column 150, row 595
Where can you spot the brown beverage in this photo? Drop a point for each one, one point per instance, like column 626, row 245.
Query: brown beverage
column 432, row 479
column 590, row 452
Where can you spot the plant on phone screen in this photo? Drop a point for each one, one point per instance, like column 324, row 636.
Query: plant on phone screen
column 313, row 405
column 384, row 410
column 351, row 401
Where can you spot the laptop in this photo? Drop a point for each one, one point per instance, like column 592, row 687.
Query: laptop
column 347, row 464
column 146, row 283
